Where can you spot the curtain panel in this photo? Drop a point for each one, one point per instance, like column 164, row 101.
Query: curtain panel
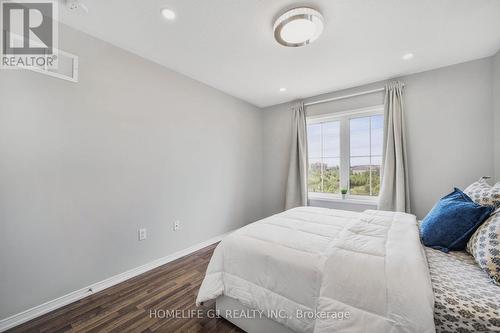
column 394, row 192
column 296, row 186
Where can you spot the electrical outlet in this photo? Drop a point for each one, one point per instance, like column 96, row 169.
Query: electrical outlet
column 177, row 225
column 142, row 234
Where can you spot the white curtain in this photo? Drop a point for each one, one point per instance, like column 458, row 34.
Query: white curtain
column 394, row 193
column 296, row 186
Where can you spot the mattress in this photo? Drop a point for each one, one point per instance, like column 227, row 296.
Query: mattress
column 466, row 300
column 308, row 267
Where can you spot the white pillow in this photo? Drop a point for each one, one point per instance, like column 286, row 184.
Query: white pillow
column 483, row 193
column 484, row 247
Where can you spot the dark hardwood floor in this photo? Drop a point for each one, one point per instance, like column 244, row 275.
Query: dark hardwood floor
column 127, row 307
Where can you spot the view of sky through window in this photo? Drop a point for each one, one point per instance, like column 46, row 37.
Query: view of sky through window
column 365, row 155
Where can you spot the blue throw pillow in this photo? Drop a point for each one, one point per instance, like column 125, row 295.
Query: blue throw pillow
column 451, row 222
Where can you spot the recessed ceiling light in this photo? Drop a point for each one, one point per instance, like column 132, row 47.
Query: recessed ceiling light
column 408, row 56
column 298, row 27
column 169, row 14
column 282, row 89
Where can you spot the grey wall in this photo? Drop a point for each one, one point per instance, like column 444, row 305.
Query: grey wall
column 450, row 132
column 83, row 166
column 496, row 108
column 277, row 133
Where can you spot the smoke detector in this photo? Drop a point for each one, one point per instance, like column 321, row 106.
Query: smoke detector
column 76, row 5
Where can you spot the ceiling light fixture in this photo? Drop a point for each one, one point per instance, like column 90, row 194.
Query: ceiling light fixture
column 169, row 14
column 282, row 89
column 408, row 56
column 298, row 27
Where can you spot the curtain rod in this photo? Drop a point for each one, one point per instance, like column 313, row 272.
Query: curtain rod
column 343, row 97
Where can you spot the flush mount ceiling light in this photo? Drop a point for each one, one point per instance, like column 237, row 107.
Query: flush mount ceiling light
column 407, row 56
column 169, row 14
column 298, row 27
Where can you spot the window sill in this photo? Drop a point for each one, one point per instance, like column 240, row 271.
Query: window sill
column 348, row 200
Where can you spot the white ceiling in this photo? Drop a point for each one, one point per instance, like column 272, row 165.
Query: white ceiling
column 229, row 44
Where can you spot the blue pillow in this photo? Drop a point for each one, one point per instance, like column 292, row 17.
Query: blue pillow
column 451, row 222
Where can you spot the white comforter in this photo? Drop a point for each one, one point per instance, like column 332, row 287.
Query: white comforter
column 324, row 263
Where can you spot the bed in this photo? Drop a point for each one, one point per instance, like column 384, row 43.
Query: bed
column 313, row 269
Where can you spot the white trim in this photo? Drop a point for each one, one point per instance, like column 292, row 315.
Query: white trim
column 321, row 101
column 368, row 111
column 76, row 295
column 350, row 199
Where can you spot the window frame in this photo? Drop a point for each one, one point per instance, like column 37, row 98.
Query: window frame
column 344, row 118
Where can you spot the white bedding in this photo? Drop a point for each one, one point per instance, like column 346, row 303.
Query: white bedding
column 321, row 262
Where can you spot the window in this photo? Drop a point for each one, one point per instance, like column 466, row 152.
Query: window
column 324, row 157
column 345, row 151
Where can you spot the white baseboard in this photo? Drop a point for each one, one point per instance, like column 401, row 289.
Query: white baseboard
column 76, row 295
